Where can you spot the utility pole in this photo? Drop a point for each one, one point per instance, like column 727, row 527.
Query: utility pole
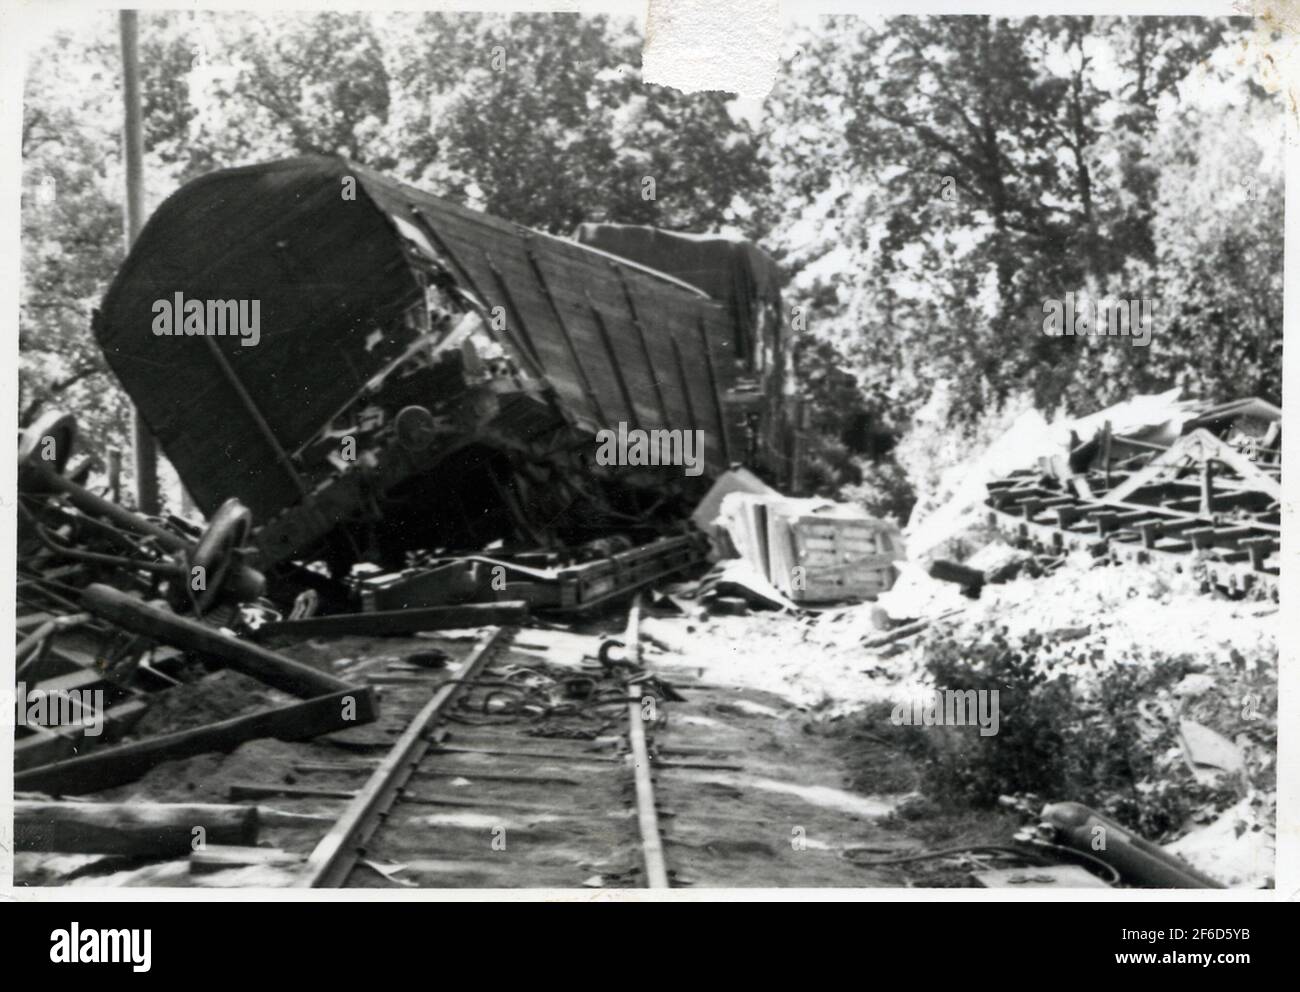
column 144, row 447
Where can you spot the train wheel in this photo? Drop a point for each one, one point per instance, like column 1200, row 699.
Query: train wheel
column 216, row 552
column 416, row 428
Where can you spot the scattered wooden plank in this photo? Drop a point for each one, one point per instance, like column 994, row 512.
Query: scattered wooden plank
column 134, row 828
column 115, row 766
column 524, row 753
column 258, row 790
column 709, row 766
column 249, row 659
column 64, row 698
column 951, row 571
column 345, row 767
column 55, row 745
column 487, row 802
column 399, row 622
column 220, row 857
column 477, row 776
column 907, row 630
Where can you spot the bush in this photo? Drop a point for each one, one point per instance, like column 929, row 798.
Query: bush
column 1099, row 743
column 885, row 490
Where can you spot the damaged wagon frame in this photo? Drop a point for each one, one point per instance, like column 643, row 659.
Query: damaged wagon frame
column 429, row 377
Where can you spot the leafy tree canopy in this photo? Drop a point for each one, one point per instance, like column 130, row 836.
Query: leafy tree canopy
column 928, row 183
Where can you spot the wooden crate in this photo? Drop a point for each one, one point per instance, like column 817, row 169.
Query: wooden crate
column 842, row 557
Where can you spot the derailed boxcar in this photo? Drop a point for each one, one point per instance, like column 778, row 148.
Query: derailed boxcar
column 427, row 376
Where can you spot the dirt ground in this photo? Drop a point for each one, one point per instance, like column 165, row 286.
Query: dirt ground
column 767, row 774
column 752, row 789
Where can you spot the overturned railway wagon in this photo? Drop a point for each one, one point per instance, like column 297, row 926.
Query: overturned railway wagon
column 428, row 376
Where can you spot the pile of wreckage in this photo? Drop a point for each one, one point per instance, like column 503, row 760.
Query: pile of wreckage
column 435, row 470
column 1190, row 486
column 109, row 598
column 1185, row 486
column 117, row 603
column 112, row 601
column 415, row 452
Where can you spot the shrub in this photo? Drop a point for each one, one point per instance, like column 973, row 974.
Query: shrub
column 1098, row 741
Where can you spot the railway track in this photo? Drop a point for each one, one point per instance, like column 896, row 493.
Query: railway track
column 533, row 757
column 509, row 770
column 540, row 758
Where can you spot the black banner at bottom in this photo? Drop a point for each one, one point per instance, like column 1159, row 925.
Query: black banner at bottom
column 339, row 941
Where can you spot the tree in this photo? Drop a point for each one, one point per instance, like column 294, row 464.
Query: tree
column 1218, row 270
column 961, row 171
column 541, row 119
column 71, row 235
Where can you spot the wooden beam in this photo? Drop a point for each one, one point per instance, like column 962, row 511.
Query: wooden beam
column 516, row 315
column 951, row 571
column 115, row 766
column 220, row 857
column 613, row 362
column 574, row 357
column 45, row 748
column 256, row 790
column 468, row 278
column 266, row 666
column 454, row 749
column 400, row 622
column 136, row 828
column 645, row 345
column 713, row 388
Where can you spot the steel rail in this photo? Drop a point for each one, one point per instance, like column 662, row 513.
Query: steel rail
column 333, row 859
column 652, row 848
